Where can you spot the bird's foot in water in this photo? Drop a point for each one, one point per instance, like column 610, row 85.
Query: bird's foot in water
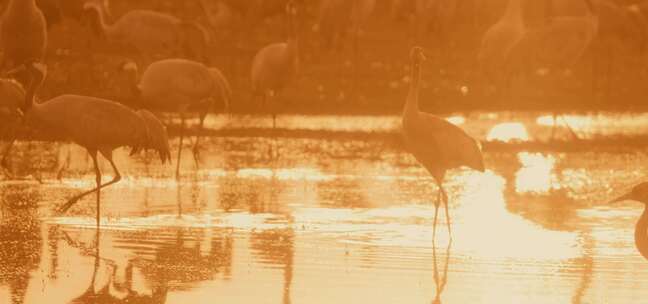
column 195, row 151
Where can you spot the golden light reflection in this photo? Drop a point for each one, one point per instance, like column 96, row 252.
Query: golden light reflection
column 508, row 132
column 482, row 216
column 536, row 174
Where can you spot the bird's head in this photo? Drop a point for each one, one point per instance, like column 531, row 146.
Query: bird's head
column 417, row 55
column 638, row 193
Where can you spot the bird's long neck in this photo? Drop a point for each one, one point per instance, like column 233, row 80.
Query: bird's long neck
column 100, row 20
column 641, row 234
column 411, row 105
column 514, row 12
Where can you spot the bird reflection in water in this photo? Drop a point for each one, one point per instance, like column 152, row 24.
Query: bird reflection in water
column 440, row 281
column 112, row 291
column 277, row 247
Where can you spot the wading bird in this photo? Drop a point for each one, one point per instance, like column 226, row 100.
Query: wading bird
column 437, row 144
column 640, row 194
column 23, row 35
column 499, row 40
column 151, row 34
column 275, row 65
column 98, row 125
column 557, row 45
column 180, row 85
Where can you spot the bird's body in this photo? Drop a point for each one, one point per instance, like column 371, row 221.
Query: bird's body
column 181, row 85
column 641, row 234
column 12, row 95
column 98, row 125
column 275, row 65
column 437, row 144
column 639, row 193
column 23, row 35
column 564, row 39
column 170, row 83
column 151, row 34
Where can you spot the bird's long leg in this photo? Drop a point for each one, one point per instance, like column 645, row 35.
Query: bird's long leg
column 98, row 180
column 116, row 179
column 195, row 148
column 182, row 129
column 447, row 212
column 436, row 214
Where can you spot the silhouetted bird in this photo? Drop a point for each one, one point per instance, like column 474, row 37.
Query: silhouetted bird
column 437, row 144
column 640, row 194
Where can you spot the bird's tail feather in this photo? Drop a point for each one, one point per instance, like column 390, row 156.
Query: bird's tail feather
column 156, row 136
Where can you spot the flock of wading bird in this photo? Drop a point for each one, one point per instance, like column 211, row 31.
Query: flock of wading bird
column 101, row 125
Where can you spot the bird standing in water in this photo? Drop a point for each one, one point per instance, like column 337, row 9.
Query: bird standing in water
column 437, row 144
column 98, row 125
column 640, row 194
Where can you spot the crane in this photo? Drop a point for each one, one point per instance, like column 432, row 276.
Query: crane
column 149, row 33
column 275, row 65
column 437, row 144
column 96, row 124
column 557, row 45
column 639, row 193
column 180, row 85
column 23, row 36
column 499, row 40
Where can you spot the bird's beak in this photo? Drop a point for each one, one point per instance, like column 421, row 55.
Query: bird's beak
column 625, row 197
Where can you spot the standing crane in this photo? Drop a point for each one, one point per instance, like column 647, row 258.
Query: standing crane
column 499, row 40
column 558, row 45
column 640, row 194
column 436, row 143
column 96, row 124
column 151, row 34
column 275, row 66
column 23, row 36
column 180, row 85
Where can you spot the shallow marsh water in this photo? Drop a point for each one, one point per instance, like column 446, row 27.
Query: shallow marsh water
column 332, row 220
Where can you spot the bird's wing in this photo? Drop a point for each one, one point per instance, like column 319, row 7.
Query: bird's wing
column 157, row 138
column 448, row 145
column 194, row 84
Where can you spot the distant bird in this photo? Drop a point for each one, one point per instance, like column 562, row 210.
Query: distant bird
column 275, row 66
column 640, row 194
column 23, row 36
column 149, row 33
column 498, row 41
column 558, row 45
column 437, row 144
column 98, row 125
column 180, row 85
